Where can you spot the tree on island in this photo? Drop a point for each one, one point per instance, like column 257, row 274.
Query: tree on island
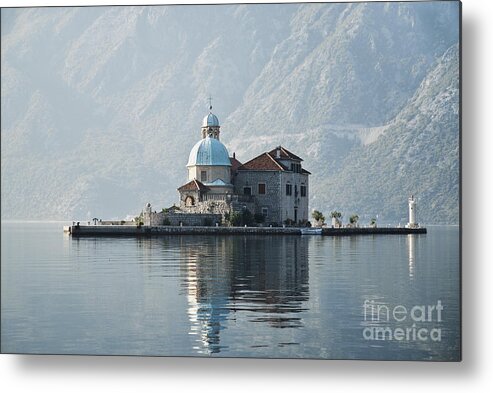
column 353, row 220
column 373, row 222
column 318, row 217
column 236, row 219
column 139, row 220
column 336, row 219
column 233, row 219
column 259, row 218
column 289, row 222
column 247, row 218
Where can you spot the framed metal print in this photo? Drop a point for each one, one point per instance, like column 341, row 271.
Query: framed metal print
column 238, row 180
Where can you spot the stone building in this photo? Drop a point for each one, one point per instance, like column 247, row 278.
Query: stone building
column 273, row 185
column 279, row 185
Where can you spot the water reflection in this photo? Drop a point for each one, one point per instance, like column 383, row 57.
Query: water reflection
column 207, row 280
column 411, row 251
column 232, row 296
column 264, row 278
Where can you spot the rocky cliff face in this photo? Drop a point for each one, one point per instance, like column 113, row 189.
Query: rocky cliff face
column 417, row 152
column 100, row 106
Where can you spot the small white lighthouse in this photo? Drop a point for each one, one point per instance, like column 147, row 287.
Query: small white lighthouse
column 412, row 213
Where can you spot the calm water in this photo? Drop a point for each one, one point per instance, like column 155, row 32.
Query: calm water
column 228, row 296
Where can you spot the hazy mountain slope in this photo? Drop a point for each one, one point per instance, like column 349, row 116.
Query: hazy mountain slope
column 347, row 65
column 417, row 154
column 100, row 106
column 107, row 106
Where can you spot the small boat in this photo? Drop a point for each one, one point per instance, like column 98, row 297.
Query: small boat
column 311, row 231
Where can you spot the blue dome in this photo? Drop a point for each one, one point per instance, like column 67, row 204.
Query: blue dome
column 209, row 151
column 210, row 120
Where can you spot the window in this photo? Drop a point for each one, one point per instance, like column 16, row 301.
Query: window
column 189, row 201
column 289, row 189
column 261, row 188
column 203, row 176
column 303, row 190
column 247, row 190
column 295, row 190
column 295, row 167
column 265, row 211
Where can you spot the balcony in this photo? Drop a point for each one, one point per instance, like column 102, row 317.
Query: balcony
column 216, row 197
column 227, row 198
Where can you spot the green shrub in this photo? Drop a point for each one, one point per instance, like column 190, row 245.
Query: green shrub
column 305, row 223
column 318, row 216
column 289, row 222
column 259, row 218
column 235, row 219
column 247, row 218
column 335, row 214
column 354, row 219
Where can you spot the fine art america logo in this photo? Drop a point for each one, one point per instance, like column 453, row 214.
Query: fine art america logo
column 400, row 323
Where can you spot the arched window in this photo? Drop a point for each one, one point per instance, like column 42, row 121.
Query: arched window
column 189, row 201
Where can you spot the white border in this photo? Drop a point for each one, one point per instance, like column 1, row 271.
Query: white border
column 119, row 374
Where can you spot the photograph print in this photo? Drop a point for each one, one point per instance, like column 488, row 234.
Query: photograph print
column 237, row 180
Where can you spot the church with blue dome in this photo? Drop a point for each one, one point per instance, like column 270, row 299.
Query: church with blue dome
column 272, row 187
column 209, row 168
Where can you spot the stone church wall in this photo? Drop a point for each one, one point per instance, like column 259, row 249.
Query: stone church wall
column 185, row 219
column 207, row 207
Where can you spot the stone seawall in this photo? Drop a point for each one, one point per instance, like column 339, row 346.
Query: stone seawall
column 132, row 230
column 371, row 231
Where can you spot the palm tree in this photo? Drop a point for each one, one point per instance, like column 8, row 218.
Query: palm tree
column 353, row 220
column 336, row 218
column 336, row 214
column 318, row 217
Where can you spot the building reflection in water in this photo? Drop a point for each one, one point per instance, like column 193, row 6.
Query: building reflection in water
column 411, row 251
column 207, row 279
column 264, row 277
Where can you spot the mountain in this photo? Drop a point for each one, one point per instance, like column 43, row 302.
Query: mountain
column 101, row 105
column 416, row 153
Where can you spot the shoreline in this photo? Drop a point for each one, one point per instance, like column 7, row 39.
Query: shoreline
column 132, row 230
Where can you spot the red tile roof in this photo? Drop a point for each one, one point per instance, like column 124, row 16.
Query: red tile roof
column 193, row 186
column 269, row 161
column 263, row 162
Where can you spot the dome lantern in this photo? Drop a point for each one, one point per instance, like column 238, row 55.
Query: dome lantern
column 210, row 124
column 210, row 120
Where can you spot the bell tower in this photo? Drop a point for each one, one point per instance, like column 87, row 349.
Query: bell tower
column 210, row 124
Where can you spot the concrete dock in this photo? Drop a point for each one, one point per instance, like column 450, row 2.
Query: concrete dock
column 133, row 230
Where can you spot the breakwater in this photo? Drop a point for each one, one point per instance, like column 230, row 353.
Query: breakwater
column 132, row 230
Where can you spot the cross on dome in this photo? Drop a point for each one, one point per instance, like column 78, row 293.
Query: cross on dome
column 210, row 120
